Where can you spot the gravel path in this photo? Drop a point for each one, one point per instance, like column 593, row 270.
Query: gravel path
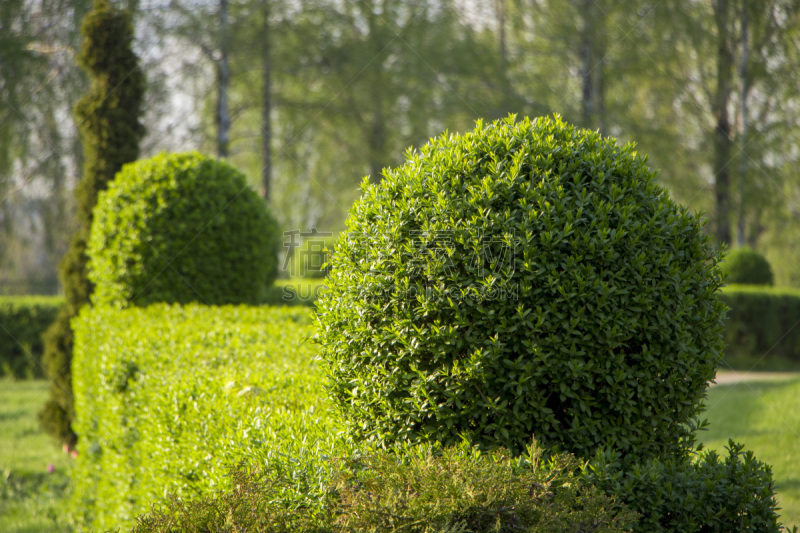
column 726, row 377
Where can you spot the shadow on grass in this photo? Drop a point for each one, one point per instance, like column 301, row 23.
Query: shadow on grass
column 788, row 484
column 14, row 485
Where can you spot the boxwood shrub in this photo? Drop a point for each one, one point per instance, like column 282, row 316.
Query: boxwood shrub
column 181, row 228
column 524, row 278
column 167, row 398
column 23, row 319
column 702, row 491
column 745, row 266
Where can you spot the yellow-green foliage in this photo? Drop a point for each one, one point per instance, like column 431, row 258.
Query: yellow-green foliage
column 168, row 397
column 418, row 490
column 523, row 278
column 23, row 319
column 181, row 228
column 761, row 328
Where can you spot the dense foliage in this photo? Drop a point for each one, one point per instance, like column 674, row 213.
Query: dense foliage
column 702, row 492
column 168, row 397
column 745, row 266
column 422, row 490
column 23, row 319
column 108, row 120
column 182, row 228
column 761, row 330
column 524, row 278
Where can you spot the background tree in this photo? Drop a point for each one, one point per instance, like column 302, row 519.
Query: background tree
column 39, row 84
column 734, row 65
column 110, row 128
column 323, row 92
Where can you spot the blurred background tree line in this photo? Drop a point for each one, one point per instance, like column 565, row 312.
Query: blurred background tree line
column 307, row 97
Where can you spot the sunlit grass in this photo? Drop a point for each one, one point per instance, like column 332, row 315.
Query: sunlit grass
column 765, row 417
column 29, row 494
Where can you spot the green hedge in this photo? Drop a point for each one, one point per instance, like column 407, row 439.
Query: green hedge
column 167, row 398
column 23, row 319
column 763, row 327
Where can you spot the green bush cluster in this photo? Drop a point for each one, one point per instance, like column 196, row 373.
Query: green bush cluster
column 166, row 397
column 23, row 319
column 698, row 492
column 761, row 329
column 745, row 266
column 182, row 228
column 526, row 278
column 423, row 490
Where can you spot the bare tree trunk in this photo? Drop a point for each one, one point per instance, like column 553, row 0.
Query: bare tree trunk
column 592, row 54
column 376, row 127
column 587, row 100
column 723, row 143
column 740, row 234
column 223, row 82
column 266, row 105
column 500, row 10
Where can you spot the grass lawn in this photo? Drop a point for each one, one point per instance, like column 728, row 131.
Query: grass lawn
column 764, row 415
column 29, row 494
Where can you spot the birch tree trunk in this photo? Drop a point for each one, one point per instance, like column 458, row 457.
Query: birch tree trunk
column 223, row 83
column 266, row 105
column 592, row 54
column 741, row 227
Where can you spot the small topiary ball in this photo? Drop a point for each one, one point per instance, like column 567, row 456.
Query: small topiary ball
column 181, row 228
column 522, row 279
column 745, row 266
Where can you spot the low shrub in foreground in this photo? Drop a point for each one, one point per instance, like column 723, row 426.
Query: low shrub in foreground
column 703, row 492
column 167, row 397
column 23, row 319
column 420, row 490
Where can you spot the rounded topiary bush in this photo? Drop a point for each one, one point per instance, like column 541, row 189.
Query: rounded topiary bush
column 181, row 228
column 747, row 267
column 524, row 278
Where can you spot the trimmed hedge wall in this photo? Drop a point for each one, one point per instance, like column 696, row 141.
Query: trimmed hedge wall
column 763, row 327
column 167, row 398
column 23, row 319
